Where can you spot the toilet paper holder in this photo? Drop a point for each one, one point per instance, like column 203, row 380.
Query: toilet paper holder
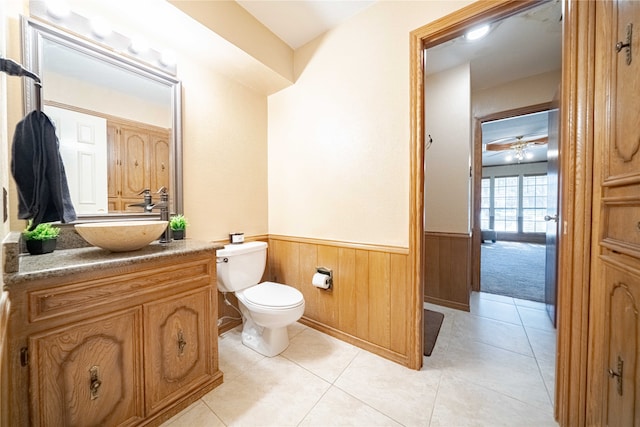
column 327, row 272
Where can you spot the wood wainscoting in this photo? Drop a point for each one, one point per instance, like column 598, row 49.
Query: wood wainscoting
column 369, row 304
column 447, row 269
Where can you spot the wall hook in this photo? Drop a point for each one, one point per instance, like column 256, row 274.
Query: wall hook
column 428, row 144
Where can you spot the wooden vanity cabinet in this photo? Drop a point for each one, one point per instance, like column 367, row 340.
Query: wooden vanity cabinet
column 118, row 346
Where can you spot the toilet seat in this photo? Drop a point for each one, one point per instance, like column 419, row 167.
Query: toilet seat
column 271, row 296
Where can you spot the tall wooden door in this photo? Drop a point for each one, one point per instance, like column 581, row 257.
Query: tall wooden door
column 551, row 247
column 614, row 357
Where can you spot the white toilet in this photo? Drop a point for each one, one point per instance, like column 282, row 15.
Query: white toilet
column 267, row 308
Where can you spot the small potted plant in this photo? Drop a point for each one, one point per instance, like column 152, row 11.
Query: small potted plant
column 178, row 224
column 42, row 239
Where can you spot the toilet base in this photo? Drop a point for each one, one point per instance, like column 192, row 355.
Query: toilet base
column 267, row 341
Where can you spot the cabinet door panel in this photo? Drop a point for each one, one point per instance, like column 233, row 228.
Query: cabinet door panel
column 624, row 149
column 160, row 153
column 87, row 374
column 135, row 162
column 623, row 339
column 177, row 333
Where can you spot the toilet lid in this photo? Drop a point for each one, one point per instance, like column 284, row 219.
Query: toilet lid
column 274, row 295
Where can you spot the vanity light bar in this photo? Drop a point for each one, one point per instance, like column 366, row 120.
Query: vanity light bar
column 99, row 32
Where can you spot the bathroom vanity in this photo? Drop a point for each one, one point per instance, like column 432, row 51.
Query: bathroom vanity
column 101, row 338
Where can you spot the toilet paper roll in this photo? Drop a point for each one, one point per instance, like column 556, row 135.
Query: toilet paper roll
column 321, row 281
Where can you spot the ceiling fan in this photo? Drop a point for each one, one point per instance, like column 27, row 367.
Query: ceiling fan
column 511, row 142
column 518, row 145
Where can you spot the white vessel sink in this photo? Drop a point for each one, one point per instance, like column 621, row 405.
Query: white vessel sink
column 121, row 236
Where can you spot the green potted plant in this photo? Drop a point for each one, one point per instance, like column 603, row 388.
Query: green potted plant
column 178, row 225
column 42, row 239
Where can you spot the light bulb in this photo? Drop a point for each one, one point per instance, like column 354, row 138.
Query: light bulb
column 58, row 8
column 138, row 45
column 100, row 28
column 168, row 58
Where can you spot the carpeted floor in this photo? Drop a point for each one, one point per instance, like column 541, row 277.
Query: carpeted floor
column 513, row 269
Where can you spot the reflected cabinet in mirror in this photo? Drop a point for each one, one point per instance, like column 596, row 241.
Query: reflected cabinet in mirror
column 118, row 122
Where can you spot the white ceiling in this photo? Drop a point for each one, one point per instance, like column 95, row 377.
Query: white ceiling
column 300, row 21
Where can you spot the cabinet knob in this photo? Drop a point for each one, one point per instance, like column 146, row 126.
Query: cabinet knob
column 181, row 342
column 95, row 383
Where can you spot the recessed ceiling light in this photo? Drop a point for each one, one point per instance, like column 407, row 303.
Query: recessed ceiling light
column 477, row 33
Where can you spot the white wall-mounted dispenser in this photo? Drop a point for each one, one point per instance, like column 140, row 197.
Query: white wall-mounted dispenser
column 323, row 278
column 236, row 238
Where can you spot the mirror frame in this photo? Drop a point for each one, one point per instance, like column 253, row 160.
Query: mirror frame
column 33, row 33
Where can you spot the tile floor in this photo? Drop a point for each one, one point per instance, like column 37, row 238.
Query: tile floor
column 491, row 367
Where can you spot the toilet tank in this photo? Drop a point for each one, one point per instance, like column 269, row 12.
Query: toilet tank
column 240, row 266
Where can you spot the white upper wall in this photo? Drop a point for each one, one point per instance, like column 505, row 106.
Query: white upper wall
column 447, row 110
column 339, row 137
column 533, row 90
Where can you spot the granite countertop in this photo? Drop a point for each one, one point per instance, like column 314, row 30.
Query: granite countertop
column 20, row 268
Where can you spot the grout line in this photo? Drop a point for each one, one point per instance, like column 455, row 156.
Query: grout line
column 546, row 387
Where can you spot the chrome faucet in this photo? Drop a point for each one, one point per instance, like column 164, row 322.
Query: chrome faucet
column 164, row 212
column 147, row 204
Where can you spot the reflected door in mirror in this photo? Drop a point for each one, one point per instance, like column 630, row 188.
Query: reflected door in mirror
column 139, row 158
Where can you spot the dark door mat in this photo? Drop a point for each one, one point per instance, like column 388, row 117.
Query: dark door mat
column 432, row 323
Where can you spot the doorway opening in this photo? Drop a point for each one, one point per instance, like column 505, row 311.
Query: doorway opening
column 516, row 191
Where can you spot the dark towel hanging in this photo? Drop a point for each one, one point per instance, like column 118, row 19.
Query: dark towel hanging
column 36, row 166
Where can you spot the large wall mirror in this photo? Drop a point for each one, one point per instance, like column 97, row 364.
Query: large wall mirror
column 118, row 122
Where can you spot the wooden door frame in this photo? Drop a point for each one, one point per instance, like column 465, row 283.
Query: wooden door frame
column 476, row 241
column 576, row 167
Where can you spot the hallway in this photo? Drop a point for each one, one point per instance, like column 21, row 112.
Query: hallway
column 491, row 367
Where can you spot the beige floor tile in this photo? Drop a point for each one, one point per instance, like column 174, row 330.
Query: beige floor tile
column 499, row 334
column 543, row 343
column 295, row 328
column 493, row 297
column 403, row 394
column 196, row 415
column 275, row 392
column 535, row 318
column 337, row 408
column 503, row 371
column 320, row 353
column 529, row 304
column 234, row 357
column 496, row 310
column 461, row 403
